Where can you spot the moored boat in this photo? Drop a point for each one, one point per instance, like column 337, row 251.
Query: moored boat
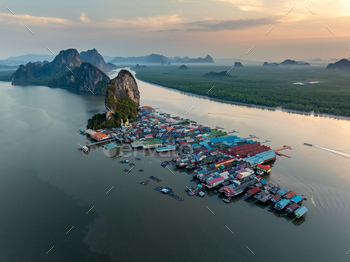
column 166, row 190
column 227, row 200
column 85, row 149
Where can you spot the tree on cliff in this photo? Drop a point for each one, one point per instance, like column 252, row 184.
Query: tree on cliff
column 122, row 101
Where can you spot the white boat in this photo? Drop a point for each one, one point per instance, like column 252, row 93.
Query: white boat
column 85, row 149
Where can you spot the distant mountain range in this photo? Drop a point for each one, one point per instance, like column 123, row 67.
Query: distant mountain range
column 24, row 59
column 161, row 59
column 288, row 62
column 343, row 64
column 68, row 70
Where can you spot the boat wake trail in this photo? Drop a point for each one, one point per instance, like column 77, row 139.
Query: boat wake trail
column 312, row 200
column 334, row 151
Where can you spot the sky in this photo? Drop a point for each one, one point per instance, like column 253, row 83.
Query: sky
column 268, row 30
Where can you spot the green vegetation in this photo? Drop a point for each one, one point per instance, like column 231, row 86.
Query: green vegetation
column 97, row 121
column 5, row 75
column 125, row 109
column 265, row 86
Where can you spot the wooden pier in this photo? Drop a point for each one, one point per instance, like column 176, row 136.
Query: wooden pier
column 282, row 148
column 101, row 142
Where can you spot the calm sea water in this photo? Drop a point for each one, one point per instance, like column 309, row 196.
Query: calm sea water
column 47, row 186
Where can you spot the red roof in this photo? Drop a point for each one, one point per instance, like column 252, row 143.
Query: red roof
column 214, row 180
column 276, row 198
column 293, row 206
column 239, row 176
column 254, row 190
column 290, row 194
column 264, row 167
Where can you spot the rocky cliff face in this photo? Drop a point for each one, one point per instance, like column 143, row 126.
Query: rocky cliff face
column 69, row 58
column 86, row 78
column 68, row 71
column 121, row 88
column 42, row 73
column 94, row 57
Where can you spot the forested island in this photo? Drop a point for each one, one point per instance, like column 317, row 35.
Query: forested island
column 300, row 88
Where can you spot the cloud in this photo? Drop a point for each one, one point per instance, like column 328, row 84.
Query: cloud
column 25, row 19
column 220, row 25
column 247, row 5
column 84, row 18
column 155, row 22
column 327, row 8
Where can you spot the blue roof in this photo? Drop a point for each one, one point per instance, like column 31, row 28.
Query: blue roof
column 296, row 199
column 300, row 211
column 282, row 203
column 281, row 192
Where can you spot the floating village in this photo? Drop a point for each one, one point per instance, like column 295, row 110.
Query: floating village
column 220, row 162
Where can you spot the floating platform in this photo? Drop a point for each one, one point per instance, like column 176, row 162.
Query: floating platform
column 155, row 179
column 168, row 191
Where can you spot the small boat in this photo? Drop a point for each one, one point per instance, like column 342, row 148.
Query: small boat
column 155, row 179
column 82, row 132
column 166, row 190
column 191, row 191
column 144, row 182
column 301, row 211
column 85, row 149
column 307, row 144
column 226, row 200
